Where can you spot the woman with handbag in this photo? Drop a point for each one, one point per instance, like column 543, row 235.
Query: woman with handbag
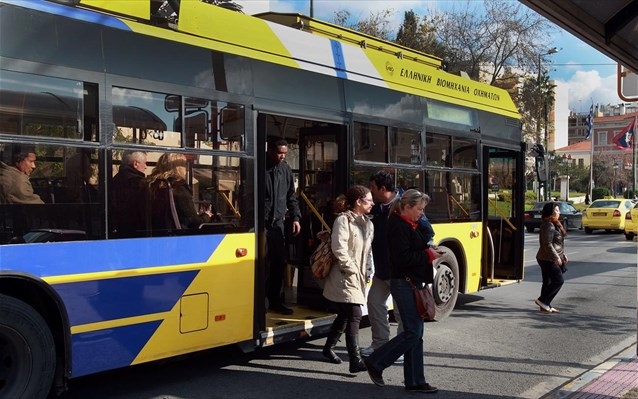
column 410, row 258
column 551, row 256
column 345, row 285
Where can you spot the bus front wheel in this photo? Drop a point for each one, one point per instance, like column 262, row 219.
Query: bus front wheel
column 446, row 283
column 27, row 351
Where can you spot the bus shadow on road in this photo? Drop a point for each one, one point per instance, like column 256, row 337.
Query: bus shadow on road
column 464, row 299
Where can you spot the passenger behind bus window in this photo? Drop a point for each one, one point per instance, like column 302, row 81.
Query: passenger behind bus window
column 80, row 180
column 169, row 175
column 128, row 195
column 15, row 187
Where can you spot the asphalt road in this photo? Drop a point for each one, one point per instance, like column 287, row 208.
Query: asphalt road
column 496, row 344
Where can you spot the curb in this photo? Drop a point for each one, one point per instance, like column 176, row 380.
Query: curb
column 574, row 386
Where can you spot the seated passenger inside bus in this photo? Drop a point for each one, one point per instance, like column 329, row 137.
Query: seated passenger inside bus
column 171, row 199
column 15, row 187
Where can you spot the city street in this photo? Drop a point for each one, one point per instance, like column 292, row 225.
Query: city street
column 496, row 344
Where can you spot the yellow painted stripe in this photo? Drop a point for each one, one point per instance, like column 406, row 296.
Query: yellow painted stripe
column 136, row 9
column 109, row 274
column 103, row 325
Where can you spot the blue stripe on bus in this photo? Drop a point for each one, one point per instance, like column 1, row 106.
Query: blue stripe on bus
column 338, row 58
column 109, row 348
column 69, row 12
column 75, row 257
column 117, row 298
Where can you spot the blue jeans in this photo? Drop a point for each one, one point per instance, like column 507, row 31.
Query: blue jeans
column 552, row 281
column 408, row 343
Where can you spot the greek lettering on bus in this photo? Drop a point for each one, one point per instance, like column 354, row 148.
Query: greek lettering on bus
column 486, row 94
column 421, row 77
column 453, row 85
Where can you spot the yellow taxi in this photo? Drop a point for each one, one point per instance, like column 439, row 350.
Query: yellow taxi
column 606, row 214
column 631, row 223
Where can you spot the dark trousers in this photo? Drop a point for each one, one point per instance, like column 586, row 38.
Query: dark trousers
column 348, row 318
column 275, row 263
column 552, row 281
column 409, row 342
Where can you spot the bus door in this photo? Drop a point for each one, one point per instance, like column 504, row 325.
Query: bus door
column 322, row 177
column 317, row 158
column 503, row 209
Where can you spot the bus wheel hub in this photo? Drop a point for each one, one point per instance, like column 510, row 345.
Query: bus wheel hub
column 444, row 284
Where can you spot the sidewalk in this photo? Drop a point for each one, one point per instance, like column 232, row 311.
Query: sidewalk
column 612, row 379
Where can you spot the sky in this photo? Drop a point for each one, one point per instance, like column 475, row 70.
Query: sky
column 590, row 76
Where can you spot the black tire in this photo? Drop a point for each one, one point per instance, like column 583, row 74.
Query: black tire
column 629, row 236
column 588, row 230
column 566, row 224
column 530, row 229
column 446, row 283
column 27, row 352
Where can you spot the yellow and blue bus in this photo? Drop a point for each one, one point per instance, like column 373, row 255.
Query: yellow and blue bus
column 86, row 83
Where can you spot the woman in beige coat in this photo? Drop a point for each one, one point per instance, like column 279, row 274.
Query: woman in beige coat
column 345, row 285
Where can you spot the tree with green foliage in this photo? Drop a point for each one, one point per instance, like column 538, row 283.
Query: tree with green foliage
column 419, row 34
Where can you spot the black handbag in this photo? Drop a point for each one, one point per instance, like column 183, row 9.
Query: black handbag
column 424, row 300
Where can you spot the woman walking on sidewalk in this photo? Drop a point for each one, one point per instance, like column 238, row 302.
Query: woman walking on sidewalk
column 551, row 256
column 352, row 234
column 410, row 257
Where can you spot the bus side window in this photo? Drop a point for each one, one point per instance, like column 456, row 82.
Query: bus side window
column 48, row 215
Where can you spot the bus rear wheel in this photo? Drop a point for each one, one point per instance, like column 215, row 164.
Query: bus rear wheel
column 27, row 351
column 445, row 287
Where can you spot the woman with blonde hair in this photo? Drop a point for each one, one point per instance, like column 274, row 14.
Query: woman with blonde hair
column 352, row 233
column 171, row 197
column 410, row 258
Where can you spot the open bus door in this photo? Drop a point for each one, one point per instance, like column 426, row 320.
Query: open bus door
column 322, row 178
column 316, row 154
column 503, row 210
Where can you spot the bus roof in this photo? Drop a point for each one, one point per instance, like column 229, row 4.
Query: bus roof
column 319, row 47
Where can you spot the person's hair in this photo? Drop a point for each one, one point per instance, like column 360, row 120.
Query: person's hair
column 170, row 166
column 273, row 144
column 131, row 156
column 548, row 214
column 349, row 200
column 410, row 197
column 383, row 179
column 19, row 153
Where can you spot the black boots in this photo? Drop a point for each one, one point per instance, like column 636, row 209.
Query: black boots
column 331, row 342
column 356, row 363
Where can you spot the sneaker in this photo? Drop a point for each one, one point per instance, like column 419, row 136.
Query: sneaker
column 399, row 360
column 365, row 352
column 427, row 388
column 375, row 376
column 542, row 305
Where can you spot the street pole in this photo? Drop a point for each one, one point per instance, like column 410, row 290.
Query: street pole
column 542, row 108
column 567, row 159
column 613, row 180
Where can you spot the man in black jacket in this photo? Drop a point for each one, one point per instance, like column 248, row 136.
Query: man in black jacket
column 384, row 194
column 128, row 196
column 280, row 199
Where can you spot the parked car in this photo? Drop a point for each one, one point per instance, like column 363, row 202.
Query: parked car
column 607, row 214
column 570, row 217
column 631, row 223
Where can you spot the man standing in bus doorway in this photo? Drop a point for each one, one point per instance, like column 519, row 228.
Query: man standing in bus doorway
column 279, row 201
column 15, row 187
column 384, row 194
